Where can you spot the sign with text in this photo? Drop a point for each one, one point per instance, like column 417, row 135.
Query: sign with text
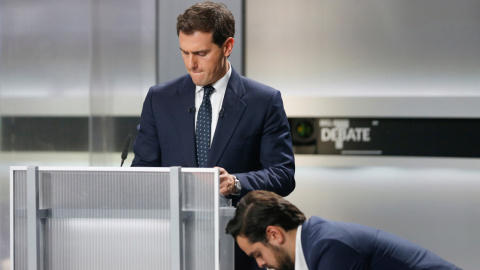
column 392, row 136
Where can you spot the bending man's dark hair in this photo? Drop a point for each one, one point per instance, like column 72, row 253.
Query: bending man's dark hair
column 208, row 17
column 260, row 209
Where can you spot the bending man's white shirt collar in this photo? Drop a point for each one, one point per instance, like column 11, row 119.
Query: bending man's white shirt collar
column 216, row 98
column 300, row 263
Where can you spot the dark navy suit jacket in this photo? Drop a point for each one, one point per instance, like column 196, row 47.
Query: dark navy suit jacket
column 252, row 140
column 340, row 245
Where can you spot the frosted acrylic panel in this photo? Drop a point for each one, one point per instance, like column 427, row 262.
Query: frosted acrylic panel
column 199, row 200
column 20, row 221
column 102, row 220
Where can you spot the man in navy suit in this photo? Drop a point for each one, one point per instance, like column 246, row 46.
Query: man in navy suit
column 276, row 233
column 250, row 140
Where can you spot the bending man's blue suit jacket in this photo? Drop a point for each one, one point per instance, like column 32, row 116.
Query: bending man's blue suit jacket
column 333, row 245
column 252, row 139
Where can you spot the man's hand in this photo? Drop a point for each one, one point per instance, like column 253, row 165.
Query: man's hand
column 227, row 182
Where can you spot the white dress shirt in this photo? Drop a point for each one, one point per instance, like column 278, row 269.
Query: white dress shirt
column 216, row 98
column 300, row 263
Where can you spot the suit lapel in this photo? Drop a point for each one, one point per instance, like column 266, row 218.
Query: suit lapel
column 233, row 107
column 186, row 121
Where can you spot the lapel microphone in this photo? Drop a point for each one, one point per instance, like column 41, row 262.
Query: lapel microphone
column 192, row 109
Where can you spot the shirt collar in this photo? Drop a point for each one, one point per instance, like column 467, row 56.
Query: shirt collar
column 300, row 263
column 221, row 85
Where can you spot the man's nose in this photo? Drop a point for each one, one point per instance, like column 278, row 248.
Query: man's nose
column 192, row 62
column 261, row 263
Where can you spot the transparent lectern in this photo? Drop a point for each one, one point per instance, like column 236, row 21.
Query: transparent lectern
column 118, row 218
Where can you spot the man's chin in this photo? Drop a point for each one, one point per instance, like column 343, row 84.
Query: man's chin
column 197, row 79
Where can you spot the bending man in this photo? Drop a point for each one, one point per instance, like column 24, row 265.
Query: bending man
column 276, row 233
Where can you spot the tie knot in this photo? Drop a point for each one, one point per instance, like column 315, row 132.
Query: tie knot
column 208, row 90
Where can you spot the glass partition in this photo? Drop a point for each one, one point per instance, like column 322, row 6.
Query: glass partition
column 105, row 218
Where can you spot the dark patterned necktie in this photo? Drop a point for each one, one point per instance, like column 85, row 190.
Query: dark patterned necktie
column 204, row 126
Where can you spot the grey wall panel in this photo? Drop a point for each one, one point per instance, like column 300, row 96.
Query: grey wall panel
column 75, row 57
column 365, row 48
column 431, row 206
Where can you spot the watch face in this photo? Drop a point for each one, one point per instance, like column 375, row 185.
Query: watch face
column 238, row 186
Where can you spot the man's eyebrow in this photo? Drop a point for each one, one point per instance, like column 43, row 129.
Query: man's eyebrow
column 252, row 254
column 196, row 52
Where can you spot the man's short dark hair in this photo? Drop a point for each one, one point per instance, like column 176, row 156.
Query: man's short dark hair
column 260, row 209
column 208, row 17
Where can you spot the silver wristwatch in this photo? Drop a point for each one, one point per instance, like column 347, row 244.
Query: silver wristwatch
column 238, row 186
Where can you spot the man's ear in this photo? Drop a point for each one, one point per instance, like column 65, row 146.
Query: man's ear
column 275, row 235
column 228, row 46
